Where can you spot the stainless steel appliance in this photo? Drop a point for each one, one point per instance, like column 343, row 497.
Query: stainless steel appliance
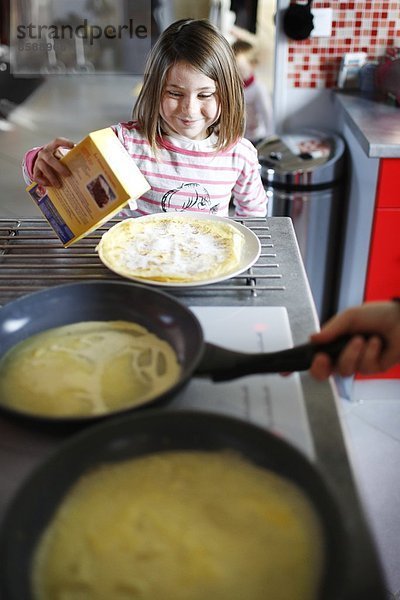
column 303, row 175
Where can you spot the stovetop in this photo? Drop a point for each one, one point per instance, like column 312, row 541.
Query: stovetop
column 32, row 257
column 275, row 402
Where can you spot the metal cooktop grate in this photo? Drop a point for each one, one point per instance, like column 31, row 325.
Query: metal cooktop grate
column 32, row 258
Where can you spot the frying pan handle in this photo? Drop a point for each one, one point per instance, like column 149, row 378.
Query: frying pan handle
column 222, row 364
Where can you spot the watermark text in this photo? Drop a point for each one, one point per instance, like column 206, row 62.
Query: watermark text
column 85, row 30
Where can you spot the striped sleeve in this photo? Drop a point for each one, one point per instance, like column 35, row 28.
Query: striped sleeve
column 249, row 197
column 28, row 163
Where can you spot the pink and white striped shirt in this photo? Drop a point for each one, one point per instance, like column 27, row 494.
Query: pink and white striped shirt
column 190, row 175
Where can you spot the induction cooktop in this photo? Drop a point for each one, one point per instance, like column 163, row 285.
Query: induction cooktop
column 275, row 402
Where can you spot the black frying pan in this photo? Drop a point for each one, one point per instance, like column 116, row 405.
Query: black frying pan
column 157, row 431
column 155, row 310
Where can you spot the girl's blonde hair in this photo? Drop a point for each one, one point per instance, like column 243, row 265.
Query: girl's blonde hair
column 200, row 44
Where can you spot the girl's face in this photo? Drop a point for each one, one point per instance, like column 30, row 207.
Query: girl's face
column 189, row 103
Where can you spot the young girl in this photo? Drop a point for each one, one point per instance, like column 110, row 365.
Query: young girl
column 186, row 133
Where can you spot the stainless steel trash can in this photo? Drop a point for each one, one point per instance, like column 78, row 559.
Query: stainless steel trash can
column 303, row 175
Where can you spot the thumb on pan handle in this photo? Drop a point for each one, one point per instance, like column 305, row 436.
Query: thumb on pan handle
column 222, row 365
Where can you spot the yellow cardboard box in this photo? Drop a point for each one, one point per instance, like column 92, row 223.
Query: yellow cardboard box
column 104, row 177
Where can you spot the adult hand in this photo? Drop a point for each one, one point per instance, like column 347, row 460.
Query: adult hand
column 379, row 320
column 48, row 170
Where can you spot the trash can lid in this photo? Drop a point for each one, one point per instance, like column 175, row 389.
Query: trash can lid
column 313, row 156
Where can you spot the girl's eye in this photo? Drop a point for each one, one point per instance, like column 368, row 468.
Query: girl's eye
column 173, row 94
column 203, row 96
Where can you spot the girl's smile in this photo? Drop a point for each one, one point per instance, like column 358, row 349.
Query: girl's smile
column 189, row 104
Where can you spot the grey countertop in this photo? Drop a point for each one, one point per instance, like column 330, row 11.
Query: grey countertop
column 374, row 123
column 23, row 447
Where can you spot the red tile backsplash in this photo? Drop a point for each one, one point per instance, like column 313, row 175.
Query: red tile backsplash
column 357, row 26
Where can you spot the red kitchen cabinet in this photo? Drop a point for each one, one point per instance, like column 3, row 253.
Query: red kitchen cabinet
column 388, row 188
column 383, row 273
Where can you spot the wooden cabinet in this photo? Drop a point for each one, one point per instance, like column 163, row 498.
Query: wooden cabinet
column 383, row 271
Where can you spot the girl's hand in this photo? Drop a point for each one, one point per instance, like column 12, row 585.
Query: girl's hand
column 47, row 169
column 360, row 355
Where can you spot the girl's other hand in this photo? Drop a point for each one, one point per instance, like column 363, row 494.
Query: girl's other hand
column 48, row 170
column 361, row 355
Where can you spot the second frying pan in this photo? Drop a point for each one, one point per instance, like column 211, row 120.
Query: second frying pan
column 155, row 432
column 158, row 312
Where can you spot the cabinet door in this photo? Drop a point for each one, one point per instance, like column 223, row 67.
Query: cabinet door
column 388, row 190
column 383, row 278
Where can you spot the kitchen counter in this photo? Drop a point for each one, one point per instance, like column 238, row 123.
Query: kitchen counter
column 278, row 279
column 374, row 123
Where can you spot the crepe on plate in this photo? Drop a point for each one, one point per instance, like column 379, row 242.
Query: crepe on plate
column 166, row 249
